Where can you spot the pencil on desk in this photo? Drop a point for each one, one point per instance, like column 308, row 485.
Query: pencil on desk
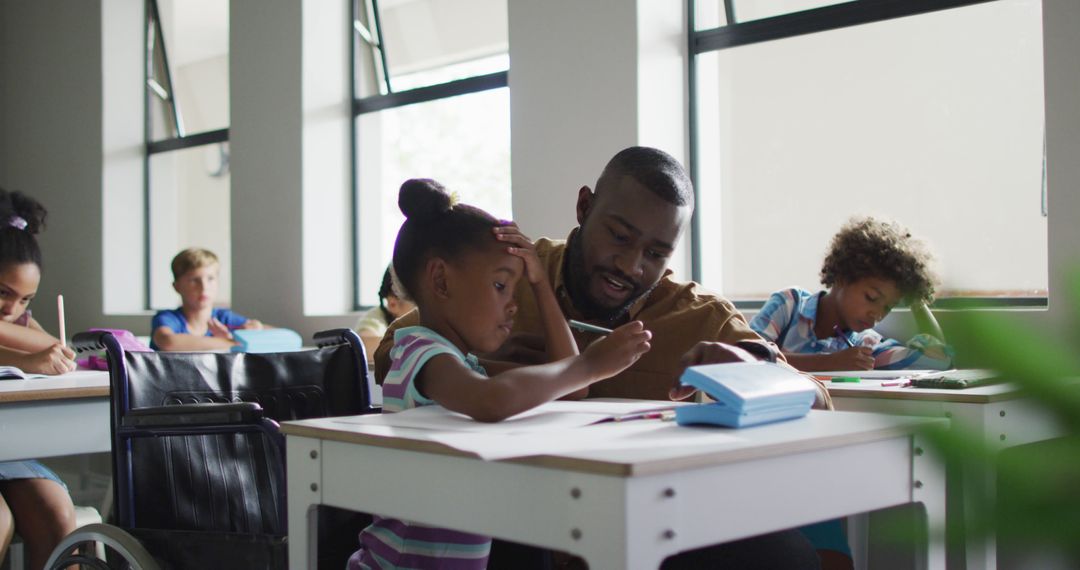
column 60, row 315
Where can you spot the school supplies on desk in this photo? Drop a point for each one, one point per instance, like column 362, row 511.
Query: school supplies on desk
column 957, row 379
column 746, row 394
column 266, row 340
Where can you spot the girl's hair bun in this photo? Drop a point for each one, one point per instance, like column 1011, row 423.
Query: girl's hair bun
column 423, row 199
column 21, row 212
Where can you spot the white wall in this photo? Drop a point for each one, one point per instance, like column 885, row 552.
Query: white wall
column 588, row 79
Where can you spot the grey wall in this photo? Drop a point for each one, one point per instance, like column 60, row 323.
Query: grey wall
column 50, row 112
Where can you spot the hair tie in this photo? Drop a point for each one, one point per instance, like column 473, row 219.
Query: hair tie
column 17, row 222
column 454, row 199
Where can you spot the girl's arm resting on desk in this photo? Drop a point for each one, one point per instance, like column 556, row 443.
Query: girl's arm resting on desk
column 55, row 359
column 455, row 387
column 167, row 340
column 25, row 338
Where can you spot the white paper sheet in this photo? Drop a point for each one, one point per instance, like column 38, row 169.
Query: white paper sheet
column 645, row 434
column 548, row 417
column 874, row 374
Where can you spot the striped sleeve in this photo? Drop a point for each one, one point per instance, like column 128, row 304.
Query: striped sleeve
column 923, row 351
column 408, row 356
column 775, row 315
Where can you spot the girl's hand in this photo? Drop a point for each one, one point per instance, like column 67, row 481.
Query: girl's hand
column 253, row 324
column 56, row 359
column 854, row 358
column 523, row 247
column 219, row 330
column 616, row 352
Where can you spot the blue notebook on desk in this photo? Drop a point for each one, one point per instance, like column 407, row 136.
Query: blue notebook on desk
column 746, row 394
column 266, row 340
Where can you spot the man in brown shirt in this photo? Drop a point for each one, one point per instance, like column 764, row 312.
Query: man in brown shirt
column 613, row 269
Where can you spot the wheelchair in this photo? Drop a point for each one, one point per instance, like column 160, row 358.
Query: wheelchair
column 198, row 460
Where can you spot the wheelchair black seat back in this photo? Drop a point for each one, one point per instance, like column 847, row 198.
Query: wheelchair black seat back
column 197, row 456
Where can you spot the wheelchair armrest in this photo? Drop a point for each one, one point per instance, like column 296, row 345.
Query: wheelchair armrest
column 89, row 340
column 192, row 415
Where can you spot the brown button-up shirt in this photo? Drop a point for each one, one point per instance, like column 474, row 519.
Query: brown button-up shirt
column 678, row 314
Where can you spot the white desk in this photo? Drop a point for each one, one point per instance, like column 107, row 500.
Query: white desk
column 999, row 412
column 618, row 508
column 58, row 415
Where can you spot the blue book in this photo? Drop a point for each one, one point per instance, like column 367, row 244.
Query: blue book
column 746, row 394
column 266, row 340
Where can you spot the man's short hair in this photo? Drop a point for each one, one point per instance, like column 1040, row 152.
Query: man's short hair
column 652, row 168
column 192, row 258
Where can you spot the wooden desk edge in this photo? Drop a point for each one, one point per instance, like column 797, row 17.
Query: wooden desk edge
column 611, row 467
column 54, row 394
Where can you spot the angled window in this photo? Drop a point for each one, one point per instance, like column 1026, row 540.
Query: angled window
column 926, row 112
column 186, row 131
column 430, row 101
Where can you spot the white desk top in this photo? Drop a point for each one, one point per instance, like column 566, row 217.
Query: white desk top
column 978, row 395
column 653, row 451
column 77, row 384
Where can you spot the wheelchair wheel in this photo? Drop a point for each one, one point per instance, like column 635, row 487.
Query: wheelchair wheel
column 101, row 547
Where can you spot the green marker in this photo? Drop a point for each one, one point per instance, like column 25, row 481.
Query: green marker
column 588, row 328
column 851, row 379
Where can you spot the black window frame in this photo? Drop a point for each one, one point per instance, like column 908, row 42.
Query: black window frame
column 154, row 39
column 825, row 18
column 391, row 100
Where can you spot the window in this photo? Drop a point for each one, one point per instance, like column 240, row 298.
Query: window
column 431, row 101
column 186, row 132
column 932, row 117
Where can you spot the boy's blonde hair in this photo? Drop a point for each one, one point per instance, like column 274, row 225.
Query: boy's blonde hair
column 192, row 258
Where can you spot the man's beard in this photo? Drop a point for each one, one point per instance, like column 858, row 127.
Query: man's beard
column 577, row 284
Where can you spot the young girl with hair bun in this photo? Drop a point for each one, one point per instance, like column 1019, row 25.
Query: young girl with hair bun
column 460, row 266
column 32, row 497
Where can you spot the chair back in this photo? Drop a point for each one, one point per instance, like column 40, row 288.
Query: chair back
column 182, row 466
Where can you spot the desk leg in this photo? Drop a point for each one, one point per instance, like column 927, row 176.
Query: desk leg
column 305, row 494
column 928, row 488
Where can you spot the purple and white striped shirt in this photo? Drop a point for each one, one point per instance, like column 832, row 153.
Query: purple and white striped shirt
column 392, row 543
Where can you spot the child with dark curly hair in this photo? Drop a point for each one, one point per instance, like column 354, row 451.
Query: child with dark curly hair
column 871, row 267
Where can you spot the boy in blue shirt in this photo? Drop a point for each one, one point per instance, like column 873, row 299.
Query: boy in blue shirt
column 197, row 324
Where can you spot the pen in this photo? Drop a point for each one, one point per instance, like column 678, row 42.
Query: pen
column 588, row 328
column 843, row 337
column 849, row 379
column 666, row 415
column 60, row 315
column 897, row 383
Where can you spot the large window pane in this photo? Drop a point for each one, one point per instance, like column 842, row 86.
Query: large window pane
column 463, row 142
column 189, row 207
column 421, row 36
column 747, row 10
column 190, row 67
column 934, row 120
